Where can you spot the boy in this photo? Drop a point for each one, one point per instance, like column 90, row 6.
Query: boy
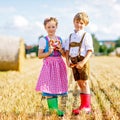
column 79, row 47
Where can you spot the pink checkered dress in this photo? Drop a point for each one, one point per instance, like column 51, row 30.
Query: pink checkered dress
column 53, row 76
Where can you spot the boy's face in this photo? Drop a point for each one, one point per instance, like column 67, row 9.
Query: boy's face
column 51, row 28
column 79, row 25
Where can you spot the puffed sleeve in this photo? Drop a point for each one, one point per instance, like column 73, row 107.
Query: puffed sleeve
column 42, row 43
column 66, row 44
column 89, row 42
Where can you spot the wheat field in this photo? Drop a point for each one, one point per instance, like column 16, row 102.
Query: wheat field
column 20, row 101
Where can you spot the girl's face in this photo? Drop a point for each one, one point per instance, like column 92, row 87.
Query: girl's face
column 79, row 25
column 51, row 28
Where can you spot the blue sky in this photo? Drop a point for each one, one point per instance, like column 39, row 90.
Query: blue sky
column 24, row 18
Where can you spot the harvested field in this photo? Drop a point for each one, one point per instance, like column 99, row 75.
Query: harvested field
column 20, row 101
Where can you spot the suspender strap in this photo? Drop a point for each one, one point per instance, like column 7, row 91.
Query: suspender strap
column 81, row 42
column 75, row 44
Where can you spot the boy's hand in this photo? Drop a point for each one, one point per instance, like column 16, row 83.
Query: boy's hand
column 69, row 64
column 72, row 65
column 79, row 65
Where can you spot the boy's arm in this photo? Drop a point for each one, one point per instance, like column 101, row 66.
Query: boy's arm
column 67, row 55
column 87, row 56
column 67, row 58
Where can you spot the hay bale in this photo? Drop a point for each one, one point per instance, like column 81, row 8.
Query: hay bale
column 33, row 54
column 12, row 53
column 27, row 56
column 118, row 51
column 112, row 53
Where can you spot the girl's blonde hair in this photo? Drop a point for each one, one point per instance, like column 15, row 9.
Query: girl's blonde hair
column 50, row 19
column 82, row 16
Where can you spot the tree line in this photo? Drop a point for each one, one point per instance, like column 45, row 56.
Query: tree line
column 103, row 49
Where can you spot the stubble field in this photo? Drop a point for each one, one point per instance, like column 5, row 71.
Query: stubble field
column 20, row 101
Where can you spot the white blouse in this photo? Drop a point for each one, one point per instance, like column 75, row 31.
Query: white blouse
column 42, row 43
column 87, row 43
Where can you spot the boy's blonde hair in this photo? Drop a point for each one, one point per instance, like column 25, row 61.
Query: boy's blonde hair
column 50, row 19
column 82, row 16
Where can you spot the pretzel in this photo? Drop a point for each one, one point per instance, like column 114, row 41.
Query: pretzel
column 54, row 43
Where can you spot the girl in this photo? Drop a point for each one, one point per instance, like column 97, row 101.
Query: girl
column 53, row 77
column 79, row 48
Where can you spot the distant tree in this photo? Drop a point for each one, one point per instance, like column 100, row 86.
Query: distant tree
column 34, row 49
column 111, row 49
column 118, row 42
column 103, row 49
column 96, row 44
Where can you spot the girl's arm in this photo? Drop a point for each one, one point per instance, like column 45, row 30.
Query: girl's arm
column 62, row 51
column 41, row 54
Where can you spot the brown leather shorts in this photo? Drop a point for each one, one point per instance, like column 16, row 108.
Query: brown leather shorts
column 83, row 73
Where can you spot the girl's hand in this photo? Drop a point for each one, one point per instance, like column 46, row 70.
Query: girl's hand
column 59, row 47
column 51, row 45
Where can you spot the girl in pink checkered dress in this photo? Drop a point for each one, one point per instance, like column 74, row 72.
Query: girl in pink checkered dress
column 53, row 76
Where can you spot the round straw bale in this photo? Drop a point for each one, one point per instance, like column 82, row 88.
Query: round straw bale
column 118, row 51
column 12, row 53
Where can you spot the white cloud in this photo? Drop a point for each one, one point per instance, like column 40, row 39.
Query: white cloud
column 7, row 9
column 44, row 6
column 20, row 21
column 93, row 27
column 116, row 7
column 106, row 30
column 104, row 17
column 115, row 29
column 40, row 25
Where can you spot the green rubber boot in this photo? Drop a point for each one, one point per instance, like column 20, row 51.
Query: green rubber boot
column 53, row 105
